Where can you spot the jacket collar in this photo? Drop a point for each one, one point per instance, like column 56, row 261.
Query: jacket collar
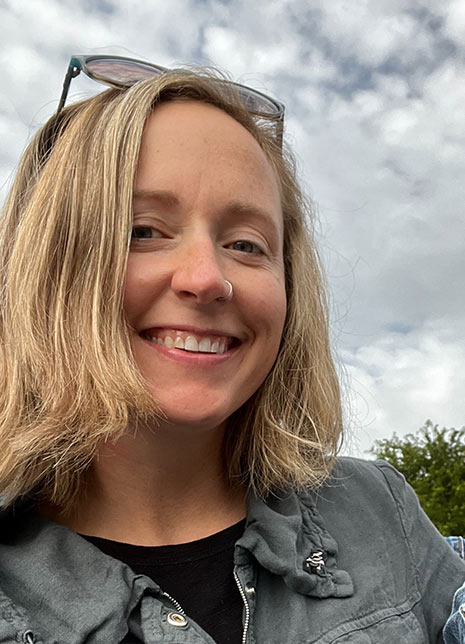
column 286, row 534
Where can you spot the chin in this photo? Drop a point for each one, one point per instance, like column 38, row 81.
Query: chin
column 194, row 417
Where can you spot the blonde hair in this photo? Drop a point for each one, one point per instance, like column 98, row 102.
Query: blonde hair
column 68, row 380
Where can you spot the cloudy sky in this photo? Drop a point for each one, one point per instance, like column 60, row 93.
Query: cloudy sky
column 375, row 98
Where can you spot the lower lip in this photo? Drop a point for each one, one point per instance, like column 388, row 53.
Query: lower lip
column 192, row 358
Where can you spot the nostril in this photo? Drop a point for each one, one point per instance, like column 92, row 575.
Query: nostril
column 202, row 293
column 199, row 282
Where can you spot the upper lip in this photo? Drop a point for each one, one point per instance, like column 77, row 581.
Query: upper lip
column 193, row 329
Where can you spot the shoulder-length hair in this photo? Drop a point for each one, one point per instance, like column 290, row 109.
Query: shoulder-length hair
column 68, row 379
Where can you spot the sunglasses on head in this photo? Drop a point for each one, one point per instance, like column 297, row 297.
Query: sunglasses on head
column 120, row 72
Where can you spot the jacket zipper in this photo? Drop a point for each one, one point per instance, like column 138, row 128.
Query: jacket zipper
column 180, row 609
column 246, row 609
column 176, row 604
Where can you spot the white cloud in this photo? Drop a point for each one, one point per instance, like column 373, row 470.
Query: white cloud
column 369, row 31
column 250, row 45
column 401, row 380
column 454, row 15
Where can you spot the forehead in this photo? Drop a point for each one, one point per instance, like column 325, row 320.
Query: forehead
column 197, row 150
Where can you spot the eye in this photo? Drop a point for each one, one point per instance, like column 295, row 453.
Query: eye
column 144, row 232
column 244, row 246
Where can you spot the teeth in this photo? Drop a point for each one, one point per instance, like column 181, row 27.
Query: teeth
column 205, row 345
column 190, row 343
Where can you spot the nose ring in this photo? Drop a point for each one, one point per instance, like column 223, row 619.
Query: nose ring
column 228, row 296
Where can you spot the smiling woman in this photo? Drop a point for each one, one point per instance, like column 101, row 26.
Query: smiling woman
column 169, row 409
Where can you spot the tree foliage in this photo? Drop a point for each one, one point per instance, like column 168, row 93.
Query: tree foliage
column 433, row 462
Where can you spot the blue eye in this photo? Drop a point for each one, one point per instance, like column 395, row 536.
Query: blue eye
column 142, row 232
column 245, row 246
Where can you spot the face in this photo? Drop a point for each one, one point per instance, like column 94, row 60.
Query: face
column 206, row 210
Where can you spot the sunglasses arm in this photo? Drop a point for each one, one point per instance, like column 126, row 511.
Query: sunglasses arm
column 72, row 72
column 280, row 131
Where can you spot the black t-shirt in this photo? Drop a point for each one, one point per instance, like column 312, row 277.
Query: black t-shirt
column 198, row 575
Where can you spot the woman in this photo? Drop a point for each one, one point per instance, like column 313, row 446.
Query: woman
column 170, row 411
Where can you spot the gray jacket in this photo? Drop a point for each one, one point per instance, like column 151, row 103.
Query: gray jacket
column 357, row 563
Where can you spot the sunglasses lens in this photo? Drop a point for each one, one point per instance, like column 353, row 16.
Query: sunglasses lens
column 122, row 72
column 258, row 103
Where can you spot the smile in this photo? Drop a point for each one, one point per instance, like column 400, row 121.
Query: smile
column 188, row 341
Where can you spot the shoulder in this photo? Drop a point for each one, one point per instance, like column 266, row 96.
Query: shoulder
column 357, row 469
column 372, row 494
column 375, row 483
column 358, row 478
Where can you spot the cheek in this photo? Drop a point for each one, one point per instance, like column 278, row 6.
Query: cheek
column 130, row 289
column 131, row 302
column 270, row 306
column 139, row 287
column 270, row 317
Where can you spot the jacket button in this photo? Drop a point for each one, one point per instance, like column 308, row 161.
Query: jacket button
column 176, row 619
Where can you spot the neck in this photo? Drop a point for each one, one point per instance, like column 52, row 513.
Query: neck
column 159, row 486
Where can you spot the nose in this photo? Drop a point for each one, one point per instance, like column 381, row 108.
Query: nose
column 198, row 274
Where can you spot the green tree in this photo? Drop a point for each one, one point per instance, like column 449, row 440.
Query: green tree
column 433, row 462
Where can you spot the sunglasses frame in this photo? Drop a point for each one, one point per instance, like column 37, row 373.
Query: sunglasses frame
column 79, row 63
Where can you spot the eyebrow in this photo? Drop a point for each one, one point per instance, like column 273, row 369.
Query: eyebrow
column 164, row 197
column 247, row 210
